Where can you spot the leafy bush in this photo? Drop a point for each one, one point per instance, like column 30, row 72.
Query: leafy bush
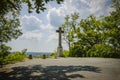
column 4, row 51
column 7, row 57
column 54, row 54
column 14, row 57
column 102, row 50
column 66, row 53
column 76, row 51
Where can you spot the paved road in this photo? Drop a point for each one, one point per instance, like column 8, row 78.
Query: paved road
column 63, row 69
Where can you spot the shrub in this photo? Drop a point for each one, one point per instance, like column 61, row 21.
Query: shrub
column 102, row 50
column 76, row 51
column 54, row 54
column 66, row 53
column 4, row 51
column 14, row 57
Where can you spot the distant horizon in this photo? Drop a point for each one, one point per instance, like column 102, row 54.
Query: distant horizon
column 38, row 52
column 34, row 51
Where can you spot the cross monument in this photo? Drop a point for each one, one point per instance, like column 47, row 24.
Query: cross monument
column 60, row 49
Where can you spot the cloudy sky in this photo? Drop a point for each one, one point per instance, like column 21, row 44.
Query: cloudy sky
column 39, row 30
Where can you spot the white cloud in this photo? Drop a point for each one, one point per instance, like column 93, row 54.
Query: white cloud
column 84, row 7
column 30, row 23
column 31, row 27
column 53, row 36
column 54, row 17
column 47, row 27
column 99, row 7
column 32, row 35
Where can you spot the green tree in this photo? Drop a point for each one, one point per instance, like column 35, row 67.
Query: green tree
column 69, row 27
column 90, row 31
column 102, row 50
column 99, row 38
column 66, row 53
column 111, row 28
column 81, row 35
column 4, row 51
column 7, row 6
column 94, row 37
column 112, row 25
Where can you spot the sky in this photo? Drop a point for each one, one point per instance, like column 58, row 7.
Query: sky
column 39, row 30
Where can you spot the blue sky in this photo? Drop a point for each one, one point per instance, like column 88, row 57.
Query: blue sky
column 39, row 29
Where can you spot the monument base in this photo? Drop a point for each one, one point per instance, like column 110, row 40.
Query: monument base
column 60, row 51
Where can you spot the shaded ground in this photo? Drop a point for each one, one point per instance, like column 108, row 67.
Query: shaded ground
column 63, row 69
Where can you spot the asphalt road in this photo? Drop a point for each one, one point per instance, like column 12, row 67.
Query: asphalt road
column 63, row 69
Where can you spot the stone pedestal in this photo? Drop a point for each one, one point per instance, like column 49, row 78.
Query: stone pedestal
column 60, row 52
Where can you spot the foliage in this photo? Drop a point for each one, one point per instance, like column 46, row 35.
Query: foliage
column 4, row 51
column 69, row 27
column 11, row 57
column 9, row 21
column 14, row 57
column 90, row 33
column 38, row 5
column 54, row 54
column 94, row 37
column 101, row 50
column 65, row 53
column 76, row 51
column 13, row 5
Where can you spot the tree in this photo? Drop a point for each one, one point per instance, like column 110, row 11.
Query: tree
column 4, row 51
column 13, row 5
column 111, row 25
column 69, row 27
column 99, row 37
column 81, row 35
column 91, row 31
column 9, row 23
column 94, row 37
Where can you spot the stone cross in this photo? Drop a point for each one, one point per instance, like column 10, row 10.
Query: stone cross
column 60, row 49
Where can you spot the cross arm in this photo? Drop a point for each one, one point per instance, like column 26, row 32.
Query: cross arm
column 57, row 30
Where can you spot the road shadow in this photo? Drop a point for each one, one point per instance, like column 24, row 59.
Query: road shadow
column 39, row 72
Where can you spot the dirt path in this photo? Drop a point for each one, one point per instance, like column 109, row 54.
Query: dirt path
column 63, row 69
